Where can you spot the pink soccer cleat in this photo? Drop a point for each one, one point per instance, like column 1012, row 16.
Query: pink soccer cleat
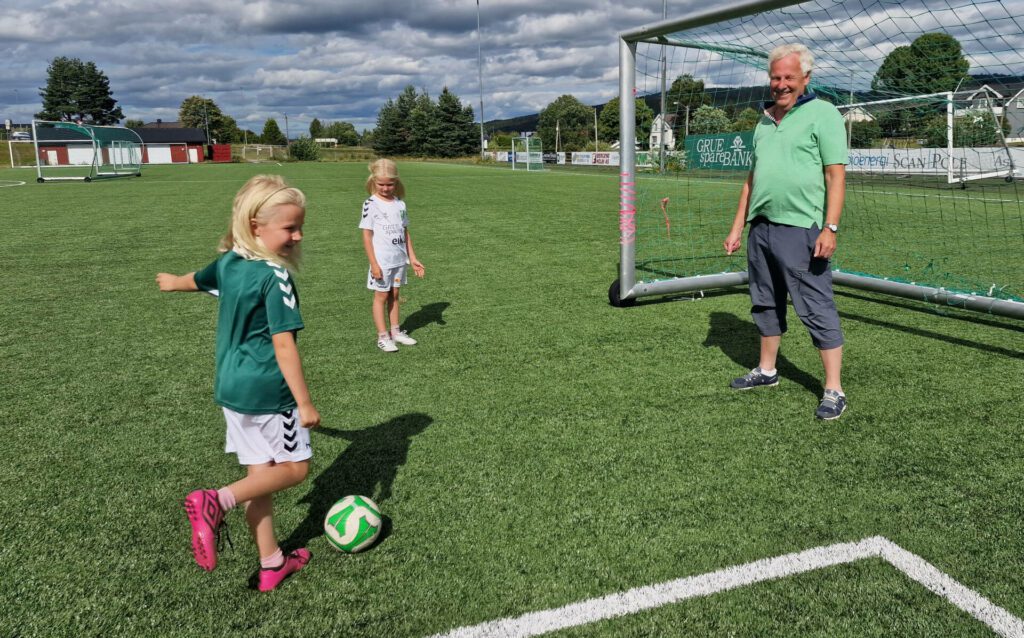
column 207, row 518
column 269, row 579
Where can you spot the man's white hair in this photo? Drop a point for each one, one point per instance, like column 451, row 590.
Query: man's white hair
column 781, row 51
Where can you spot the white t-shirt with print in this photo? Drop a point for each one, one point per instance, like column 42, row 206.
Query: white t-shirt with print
column 387, row 220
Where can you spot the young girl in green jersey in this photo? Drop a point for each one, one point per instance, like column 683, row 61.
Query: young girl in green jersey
column 259, row 380
column 388, row 245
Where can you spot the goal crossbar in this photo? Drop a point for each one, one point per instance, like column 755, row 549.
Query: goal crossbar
column 666, row 34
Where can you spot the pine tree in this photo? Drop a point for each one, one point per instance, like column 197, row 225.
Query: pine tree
column 272, row 133
column 422, row 126
column 455, row 136
column 78, row 91
column 386, row 136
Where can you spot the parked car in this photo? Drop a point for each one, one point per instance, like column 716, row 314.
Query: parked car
column 21, row 135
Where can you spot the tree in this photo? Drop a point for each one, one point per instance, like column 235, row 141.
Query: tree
column 366, row 139
column 501, row 141
column 77, row 91
column 746, row 120
column 386, row 137
column 344, row 132
column 608, row 121
column 707, row 120
column 272, row 133
column 864, row 134
column 316, row 129
column 454, row 133
column 975, row 128
column 130, row 123
column 392, row 133
column 304, row 149
column 933, row 63
column 686, row 93
column 574, row 120
column 204, row 114
column 422, row 126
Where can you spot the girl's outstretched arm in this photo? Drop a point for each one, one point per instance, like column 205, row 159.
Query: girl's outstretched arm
column 287, row 353
column 177, row 283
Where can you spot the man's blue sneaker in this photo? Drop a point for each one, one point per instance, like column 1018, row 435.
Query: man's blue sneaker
column 754, row 379
column 832, row 406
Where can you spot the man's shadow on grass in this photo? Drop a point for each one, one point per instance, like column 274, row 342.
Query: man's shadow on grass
column 426, row 315
column 740, row 342
column 367, row 467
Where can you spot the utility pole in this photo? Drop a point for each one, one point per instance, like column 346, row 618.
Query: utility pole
column 595, row 129
column 287, row 136
column 206, row 119
column 480, row 74
column 662, row 147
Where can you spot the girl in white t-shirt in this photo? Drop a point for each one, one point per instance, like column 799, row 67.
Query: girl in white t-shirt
column 388, row 245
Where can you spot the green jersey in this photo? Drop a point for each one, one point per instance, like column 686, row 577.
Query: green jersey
column 789, row 159
column 258, row 299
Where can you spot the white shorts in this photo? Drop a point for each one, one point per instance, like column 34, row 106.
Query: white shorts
column 262, row 438
column 392, row 278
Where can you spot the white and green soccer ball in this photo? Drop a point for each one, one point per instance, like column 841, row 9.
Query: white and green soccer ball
column 352, row 524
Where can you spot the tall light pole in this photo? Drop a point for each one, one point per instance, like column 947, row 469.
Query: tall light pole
column 287, row 136
column 662, row 148
column 480, row 74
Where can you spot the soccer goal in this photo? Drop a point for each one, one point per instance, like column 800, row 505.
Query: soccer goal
column 257, row 153
column 67, row 152
column 527, row 154
column 933, row 99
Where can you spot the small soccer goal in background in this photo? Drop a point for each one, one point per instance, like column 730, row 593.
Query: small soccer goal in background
column 66, row 151
column 527, row 154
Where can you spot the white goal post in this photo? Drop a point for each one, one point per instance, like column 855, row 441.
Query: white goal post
column 730, row 45
column 527, row 154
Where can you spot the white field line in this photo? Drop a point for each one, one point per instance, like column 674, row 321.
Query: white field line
column 652, row 596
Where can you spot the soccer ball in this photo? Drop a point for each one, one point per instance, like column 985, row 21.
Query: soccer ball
column 352, row 524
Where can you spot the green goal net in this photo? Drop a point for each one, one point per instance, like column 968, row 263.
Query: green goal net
column 67, row 151
column 933, row 99
column 527, row 154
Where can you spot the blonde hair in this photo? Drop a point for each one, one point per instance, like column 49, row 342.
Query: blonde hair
column 256, row 202
column 384, row 169
column 779, row 52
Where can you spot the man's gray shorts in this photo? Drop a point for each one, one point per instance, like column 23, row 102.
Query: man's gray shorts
column 780, row 261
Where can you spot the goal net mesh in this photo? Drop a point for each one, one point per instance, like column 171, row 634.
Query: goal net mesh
column 933, row 98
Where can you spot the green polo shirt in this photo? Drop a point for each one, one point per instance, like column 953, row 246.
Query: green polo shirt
column 789, row 159
column 258, row 299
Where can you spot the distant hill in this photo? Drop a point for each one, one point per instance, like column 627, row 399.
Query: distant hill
column 719, row 97
column 722, row 96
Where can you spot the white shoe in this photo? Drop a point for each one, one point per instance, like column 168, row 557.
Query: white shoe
column 402, row 337
column 386, row 344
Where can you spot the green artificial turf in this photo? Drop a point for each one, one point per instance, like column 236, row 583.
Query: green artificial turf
column 537, row 448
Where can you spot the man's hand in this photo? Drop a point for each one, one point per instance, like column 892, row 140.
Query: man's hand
column 733, row 242
column 825, row 246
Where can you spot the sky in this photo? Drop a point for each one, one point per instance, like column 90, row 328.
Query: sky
column 340, row 60
column 327, row 59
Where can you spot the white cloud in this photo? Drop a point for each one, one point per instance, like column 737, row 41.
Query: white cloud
column 342, row 60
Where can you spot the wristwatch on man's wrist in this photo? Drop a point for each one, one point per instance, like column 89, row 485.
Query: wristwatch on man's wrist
column 833, row 227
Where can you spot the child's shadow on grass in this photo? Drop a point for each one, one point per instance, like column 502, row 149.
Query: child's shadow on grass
column 740, row 342
column 367, row 467
column 426, row 315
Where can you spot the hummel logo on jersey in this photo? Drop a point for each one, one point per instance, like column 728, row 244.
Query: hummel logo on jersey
column 289, row 297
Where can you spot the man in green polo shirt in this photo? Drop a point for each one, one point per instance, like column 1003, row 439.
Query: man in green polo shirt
column 792, row 199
